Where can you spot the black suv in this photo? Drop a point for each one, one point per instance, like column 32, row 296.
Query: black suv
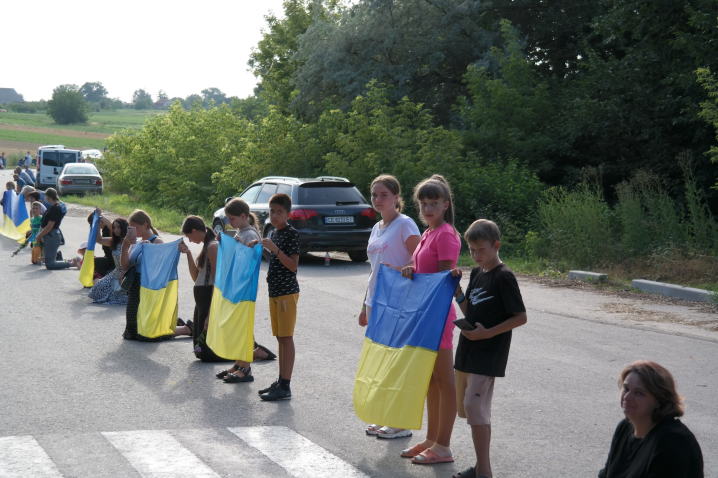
column 329, row 212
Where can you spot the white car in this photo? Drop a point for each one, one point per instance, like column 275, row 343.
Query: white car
column 91, row 154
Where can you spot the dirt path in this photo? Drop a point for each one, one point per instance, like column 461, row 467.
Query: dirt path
column 61, row 132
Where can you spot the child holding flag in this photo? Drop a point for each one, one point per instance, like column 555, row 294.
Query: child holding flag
column 438, row 251
column 35, row 224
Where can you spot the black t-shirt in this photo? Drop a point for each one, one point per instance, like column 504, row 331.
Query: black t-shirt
column 53, row 213
column 669, row 450
column 280, row 280
column 107, row 249
column 493, row 297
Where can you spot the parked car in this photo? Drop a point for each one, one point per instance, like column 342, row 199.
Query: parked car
column 79, row 178
column 329, row 212
column 90, row 155
column 50, row 163
column 49, row 146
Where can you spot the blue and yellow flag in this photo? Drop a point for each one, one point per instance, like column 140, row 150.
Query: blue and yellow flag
column 230, row 334
column 87, row 271
column 400, row 347
column 157, row 315
column 15, row 221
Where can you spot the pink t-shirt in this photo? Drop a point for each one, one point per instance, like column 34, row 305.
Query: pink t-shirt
column 441, row 244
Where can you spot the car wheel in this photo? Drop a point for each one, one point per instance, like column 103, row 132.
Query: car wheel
column 358, row 256
column 218, row 227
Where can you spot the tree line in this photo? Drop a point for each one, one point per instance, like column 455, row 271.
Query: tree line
column 507, row 99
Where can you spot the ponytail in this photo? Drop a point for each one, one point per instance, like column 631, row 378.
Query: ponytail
column 196, row 223
column 237, row 207
column 141, row 217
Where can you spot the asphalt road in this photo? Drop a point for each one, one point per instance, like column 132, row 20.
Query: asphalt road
column 77, row 400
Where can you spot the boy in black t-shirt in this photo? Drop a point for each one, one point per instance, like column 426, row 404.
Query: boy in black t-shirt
column 493, row 305
column 283, row 291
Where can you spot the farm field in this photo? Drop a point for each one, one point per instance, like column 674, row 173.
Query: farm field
column 103, row 122
column 37, row 138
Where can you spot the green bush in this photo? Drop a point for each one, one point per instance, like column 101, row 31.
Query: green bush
column 67, row 105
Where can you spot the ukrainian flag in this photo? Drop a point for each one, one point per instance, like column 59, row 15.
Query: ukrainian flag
column 157, row 314
column 400, row 347
column 15, row 221
column 87, row 272
column 230, row 333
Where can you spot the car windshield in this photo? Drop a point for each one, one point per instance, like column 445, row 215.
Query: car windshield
column 334, row 195
column 80, row 170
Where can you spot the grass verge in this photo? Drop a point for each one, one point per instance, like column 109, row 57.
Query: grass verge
column 165, row 220
column 41, row 138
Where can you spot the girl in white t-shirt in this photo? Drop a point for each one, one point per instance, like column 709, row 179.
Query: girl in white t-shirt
column 392, row 241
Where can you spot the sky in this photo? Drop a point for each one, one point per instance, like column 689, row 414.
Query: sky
column 180, row 47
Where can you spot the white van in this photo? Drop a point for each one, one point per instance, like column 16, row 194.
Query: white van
column 50, row 162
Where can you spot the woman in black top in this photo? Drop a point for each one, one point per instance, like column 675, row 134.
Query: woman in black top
column 50, row 233
column 651, row 442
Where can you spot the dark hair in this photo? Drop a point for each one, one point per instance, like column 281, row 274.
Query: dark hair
column 392, row 184
column 35, row 195
column 124, row 224
column 52, row 194
column 196, row 223
column 237, row 207
column 11, row 185
column 482, row 230
column 435, row 187
column 659, row 383
column 139, row 216
column 283, row 200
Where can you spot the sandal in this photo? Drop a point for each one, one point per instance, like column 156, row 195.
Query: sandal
column 413, row 451
column 467, row 473
column 232, row 378
column 430, row 457
column 190, row 324
column 389, row 432
column 372, row 429
column 224, row 373
column 180, row 322
column 270, row 355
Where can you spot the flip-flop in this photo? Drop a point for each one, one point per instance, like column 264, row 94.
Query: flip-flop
column 372, row 429
column 430, row 457
column 413, row 451
column 468, row 473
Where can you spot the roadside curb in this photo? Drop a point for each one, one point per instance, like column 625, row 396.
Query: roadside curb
column 672, row 290
column 586, row 276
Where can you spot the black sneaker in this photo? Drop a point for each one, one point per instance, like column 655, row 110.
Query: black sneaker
column 270, row 388
column 277, row 394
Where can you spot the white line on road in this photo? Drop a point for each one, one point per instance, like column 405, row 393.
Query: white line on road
column 158, row 454
column 22, row 457
column 296, row 454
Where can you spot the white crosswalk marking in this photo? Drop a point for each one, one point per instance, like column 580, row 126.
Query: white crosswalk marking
column 22, row 457
column 296, row 454
column 158, row 454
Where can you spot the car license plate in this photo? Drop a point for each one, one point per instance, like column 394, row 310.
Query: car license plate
column 339, row 220
column 81, row 181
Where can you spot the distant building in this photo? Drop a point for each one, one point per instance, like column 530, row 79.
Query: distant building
column 162, row 104
column 9, row 95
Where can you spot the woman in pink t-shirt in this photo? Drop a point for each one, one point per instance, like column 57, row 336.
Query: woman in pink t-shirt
column 438, row 251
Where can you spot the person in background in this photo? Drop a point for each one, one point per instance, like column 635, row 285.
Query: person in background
column 651, row 441
column 20, row 183
column 3, row 161
column 103, row 265
column 23, row 173
column 50, row 234
column 28, row 160
column 107, row 290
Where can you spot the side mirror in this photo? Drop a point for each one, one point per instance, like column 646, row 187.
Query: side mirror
column 228, row 199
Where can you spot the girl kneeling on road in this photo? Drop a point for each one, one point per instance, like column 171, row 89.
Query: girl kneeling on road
column 50, row 233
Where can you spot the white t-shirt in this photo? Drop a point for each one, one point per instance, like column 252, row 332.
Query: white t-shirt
column 389, row 245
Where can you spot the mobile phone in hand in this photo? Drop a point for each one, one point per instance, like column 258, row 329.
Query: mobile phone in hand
column 463, row 324
column 132, row 232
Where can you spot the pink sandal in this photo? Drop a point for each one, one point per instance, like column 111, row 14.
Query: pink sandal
column 430, row 457
column 413, row 451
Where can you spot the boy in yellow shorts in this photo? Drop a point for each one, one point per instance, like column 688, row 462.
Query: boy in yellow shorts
column 283, row 291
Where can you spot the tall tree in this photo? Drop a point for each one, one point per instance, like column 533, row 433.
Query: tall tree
column 67, row 105
column 93, row 91
column 141, row 94
column 215, row 94
column 161, row 95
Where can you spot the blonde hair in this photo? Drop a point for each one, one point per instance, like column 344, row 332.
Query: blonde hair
column 139, row 216
column 392, row 184
column 237, row 207
column 435, row 187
